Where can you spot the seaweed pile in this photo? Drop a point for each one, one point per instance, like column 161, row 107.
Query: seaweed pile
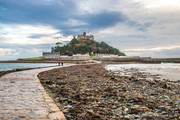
column 89, row 92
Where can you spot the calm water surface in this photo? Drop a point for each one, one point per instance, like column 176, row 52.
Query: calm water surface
column 10, row 66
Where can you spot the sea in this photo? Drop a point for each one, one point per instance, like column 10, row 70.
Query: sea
column 11, row 66
column 169, row 71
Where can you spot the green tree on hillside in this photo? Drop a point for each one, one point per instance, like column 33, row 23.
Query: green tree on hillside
column 58, row 43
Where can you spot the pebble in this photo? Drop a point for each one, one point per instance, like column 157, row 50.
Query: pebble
column 95, row 93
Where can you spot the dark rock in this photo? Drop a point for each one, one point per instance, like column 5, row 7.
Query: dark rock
column 166, row 86
column 153, row 94
column 161, row 108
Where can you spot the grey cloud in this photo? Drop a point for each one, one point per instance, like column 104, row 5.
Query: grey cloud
column 149, row 28
column 172, row 53
column 24, row 51
column 37, row 36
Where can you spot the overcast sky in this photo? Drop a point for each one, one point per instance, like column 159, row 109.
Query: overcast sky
column 136, row 27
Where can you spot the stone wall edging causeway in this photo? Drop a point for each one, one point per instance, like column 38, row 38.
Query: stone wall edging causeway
column 54, row 112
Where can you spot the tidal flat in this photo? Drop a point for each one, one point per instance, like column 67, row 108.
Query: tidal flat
column 86, row 92
column 163, row 71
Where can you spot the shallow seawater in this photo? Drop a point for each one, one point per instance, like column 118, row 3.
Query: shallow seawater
column 10, row 66
column 170, row 71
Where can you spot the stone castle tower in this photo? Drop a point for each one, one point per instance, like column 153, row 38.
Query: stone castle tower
column 85, row 37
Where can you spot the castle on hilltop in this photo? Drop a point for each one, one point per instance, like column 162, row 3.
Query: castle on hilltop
column 85, row 37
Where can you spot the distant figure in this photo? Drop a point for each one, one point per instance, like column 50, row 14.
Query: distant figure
column 62, row 64
column 59, row 64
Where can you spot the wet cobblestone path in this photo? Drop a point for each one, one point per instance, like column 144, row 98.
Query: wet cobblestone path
column 22, row 97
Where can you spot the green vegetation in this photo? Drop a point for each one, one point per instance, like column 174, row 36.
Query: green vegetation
column 33, row 58
column 80, row 46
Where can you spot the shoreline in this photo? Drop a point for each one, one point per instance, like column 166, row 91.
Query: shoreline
column 34, row 61
column 91, row 92
column 2, row 73
column 74, row 61
column 162, row 71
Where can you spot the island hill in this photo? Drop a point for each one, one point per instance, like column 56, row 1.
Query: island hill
column 82, row 47
column 84, row 44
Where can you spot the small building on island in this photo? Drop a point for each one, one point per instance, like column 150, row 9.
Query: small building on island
column 81, row 57
column 51, row 55
column 57, row 56
column 85, row 37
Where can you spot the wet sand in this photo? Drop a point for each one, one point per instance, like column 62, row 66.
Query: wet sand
column 163, row 71
column 169, row 74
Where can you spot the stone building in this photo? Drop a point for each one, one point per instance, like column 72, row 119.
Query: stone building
column 81, row 57
column 85, row 37
column 57, row 56
column 77, row 57
column 105, row 56
column 51, row 55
